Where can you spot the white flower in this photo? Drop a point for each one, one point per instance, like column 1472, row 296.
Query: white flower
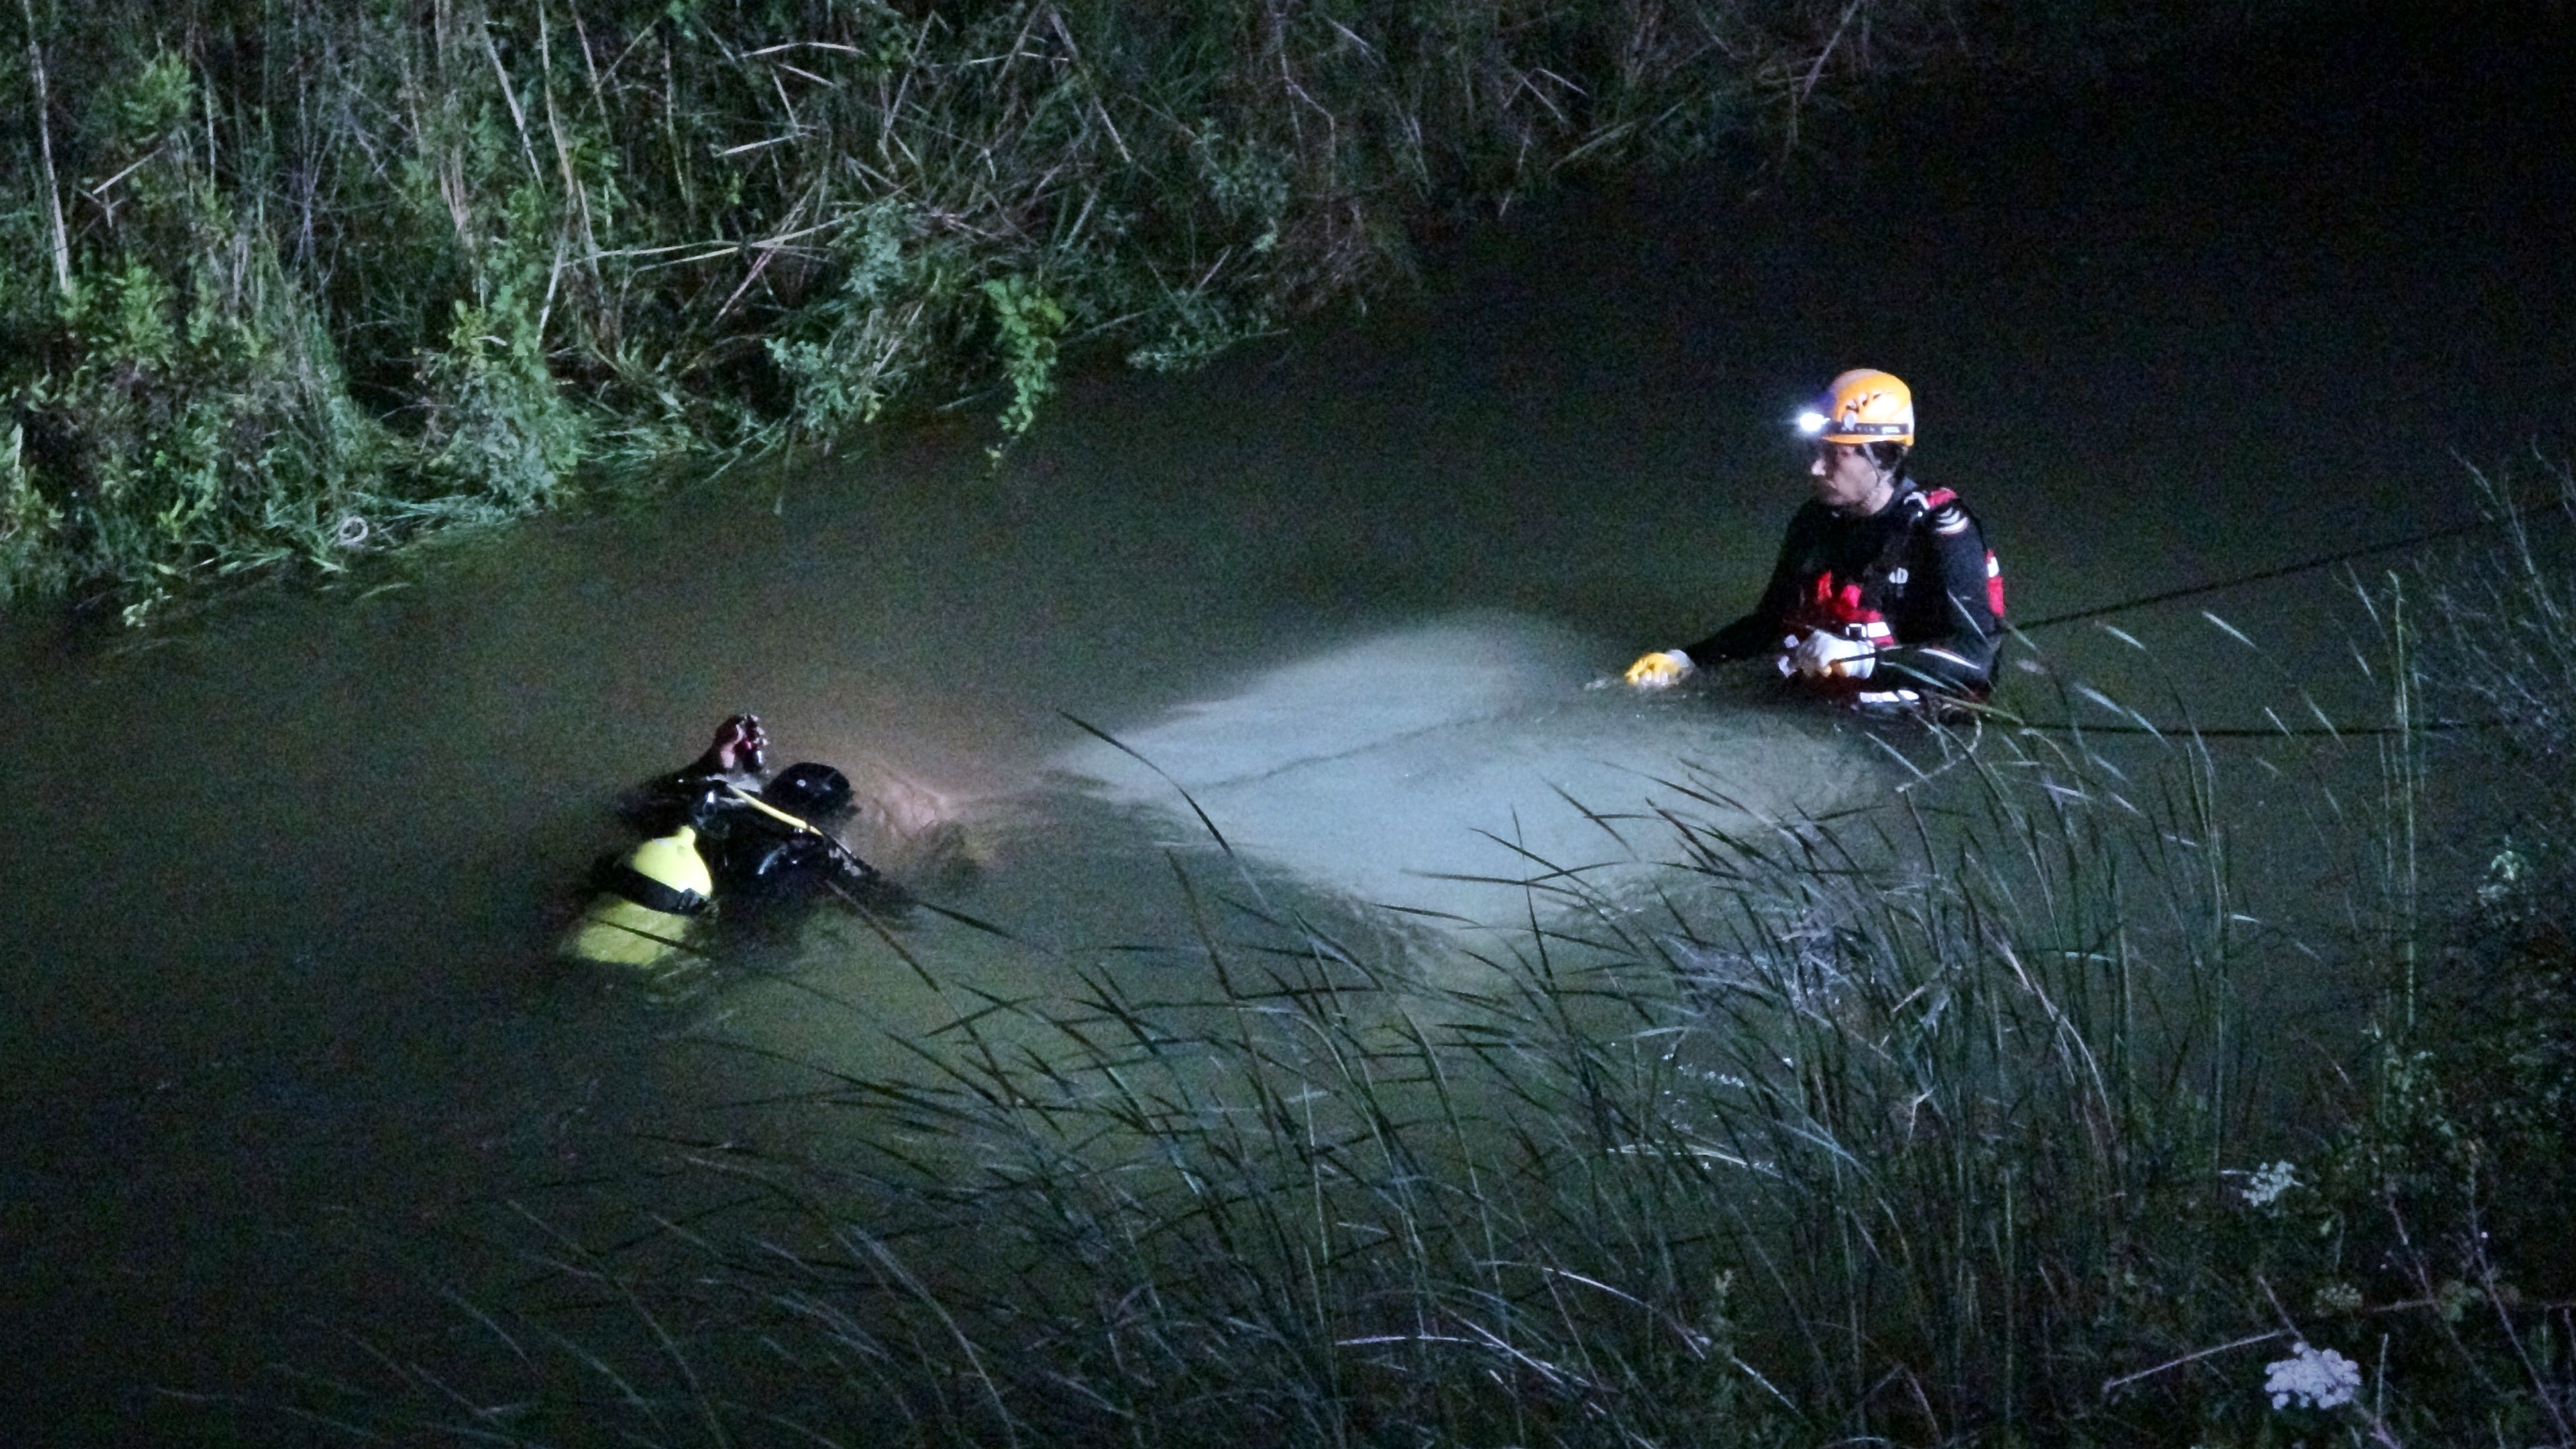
column 2312, row 1378
column 2264, row 1185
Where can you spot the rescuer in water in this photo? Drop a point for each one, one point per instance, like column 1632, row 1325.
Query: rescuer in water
column 722, row 829
column 1885, row 594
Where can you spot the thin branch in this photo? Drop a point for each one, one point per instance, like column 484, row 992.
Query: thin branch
column 2126, row 1379
column 45, row 144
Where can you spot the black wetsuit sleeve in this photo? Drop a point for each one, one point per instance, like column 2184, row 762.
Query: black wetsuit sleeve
column 1760, row 632
column 1951, row 647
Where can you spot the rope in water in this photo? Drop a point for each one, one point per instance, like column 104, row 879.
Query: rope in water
column 2322, row 561
column 2282, row 571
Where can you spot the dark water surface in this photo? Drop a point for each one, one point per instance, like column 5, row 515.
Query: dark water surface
column 279, row 881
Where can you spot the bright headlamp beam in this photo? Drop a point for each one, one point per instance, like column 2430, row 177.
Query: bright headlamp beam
column 1811, row 423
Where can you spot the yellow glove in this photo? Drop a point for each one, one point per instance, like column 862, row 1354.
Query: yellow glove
column 1661, row 668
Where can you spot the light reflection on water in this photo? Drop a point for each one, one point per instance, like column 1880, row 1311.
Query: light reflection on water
column 1436, row 769
column 1420, row 766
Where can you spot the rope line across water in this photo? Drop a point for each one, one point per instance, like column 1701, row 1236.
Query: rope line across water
column 2267, row 575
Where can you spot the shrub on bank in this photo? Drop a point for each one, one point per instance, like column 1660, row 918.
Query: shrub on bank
column 288, row 282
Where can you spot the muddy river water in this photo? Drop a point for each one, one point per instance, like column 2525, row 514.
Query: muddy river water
column 277, row 881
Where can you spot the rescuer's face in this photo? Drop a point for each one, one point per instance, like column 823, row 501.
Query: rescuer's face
column 1845, row 480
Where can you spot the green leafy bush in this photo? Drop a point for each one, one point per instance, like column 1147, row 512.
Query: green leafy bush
column 284, row 282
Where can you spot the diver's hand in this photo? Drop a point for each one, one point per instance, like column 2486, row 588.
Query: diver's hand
column 1659, row 669
column 741, row 746
column 1822, row 655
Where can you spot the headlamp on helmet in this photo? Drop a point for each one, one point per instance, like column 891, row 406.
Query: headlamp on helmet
column 1863, row 405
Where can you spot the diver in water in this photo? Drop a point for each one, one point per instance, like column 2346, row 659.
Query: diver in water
column 721, row 829
column 1885, row 595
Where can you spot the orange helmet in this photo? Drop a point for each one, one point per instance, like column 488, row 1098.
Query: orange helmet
column 1863, row 405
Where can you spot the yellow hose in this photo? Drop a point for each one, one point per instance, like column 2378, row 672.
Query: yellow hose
column 773, row 812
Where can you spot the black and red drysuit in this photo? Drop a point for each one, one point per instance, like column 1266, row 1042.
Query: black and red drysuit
column 1915, row 578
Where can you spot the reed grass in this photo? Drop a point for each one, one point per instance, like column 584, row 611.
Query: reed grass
column 1960, row 1121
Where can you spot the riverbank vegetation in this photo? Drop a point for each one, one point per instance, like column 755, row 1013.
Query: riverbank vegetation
column 1992, row 1117
column 285, row 284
